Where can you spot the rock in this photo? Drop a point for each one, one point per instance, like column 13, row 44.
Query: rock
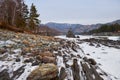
column 92, row 61
column 39, row 57
column 78, row 36
column 25, row 42
column 63, row 74
column 2, row 50
column 17, row 60
column 28, row 60
column 35, row 63
column 47, row 59
column 47, row 53
column 18, row 72
column 44, row 72
column 2, row 58
column 4, row 75
column 74, row 49
column 75, row 70
column 91, row 44
column 79, row 56
column 98, row 45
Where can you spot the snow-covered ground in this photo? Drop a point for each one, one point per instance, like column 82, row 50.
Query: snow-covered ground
column 90, row 36
column 107, row 58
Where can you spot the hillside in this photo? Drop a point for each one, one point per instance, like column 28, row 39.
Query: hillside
column 77, row 28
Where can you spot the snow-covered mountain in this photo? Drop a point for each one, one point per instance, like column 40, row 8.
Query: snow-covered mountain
column 77, row 28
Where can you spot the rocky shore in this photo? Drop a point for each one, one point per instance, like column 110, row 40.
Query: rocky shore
column 33, row 57
column 22, row 54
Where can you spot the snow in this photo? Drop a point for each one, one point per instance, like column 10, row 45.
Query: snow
column 114, row 38
column 109, row 58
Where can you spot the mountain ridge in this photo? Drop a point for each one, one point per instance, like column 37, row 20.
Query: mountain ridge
column 77, row 28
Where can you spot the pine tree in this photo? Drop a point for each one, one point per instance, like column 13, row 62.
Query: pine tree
column 33, row 21
column 70, row 33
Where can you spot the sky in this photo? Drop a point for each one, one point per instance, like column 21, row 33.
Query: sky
column 77, row 11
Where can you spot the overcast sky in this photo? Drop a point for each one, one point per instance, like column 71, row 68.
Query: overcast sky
column 77, row 11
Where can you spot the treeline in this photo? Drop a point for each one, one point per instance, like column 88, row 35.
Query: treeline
column 16, row 14
column 107, row 28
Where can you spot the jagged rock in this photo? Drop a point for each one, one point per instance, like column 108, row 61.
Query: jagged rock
column 4, row 75
column 75, row 70
column 44, row 72
column 63, row 74
column 18, row 72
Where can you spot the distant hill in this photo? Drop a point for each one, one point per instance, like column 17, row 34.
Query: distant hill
column 47, row 31
column 77, row 28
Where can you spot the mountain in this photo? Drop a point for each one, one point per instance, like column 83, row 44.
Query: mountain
column 47, row 31
column 77, row 28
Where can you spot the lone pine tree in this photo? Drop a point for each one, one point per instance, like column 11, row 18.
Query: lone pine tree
column 70, row 33
column 33, row 21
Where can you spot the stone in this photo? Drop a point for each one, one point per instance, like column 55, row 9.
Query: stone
column 18, row 72
column 47, row 59
column 25, row 42
column 2, row 50
column 91, row 44
column 28, row 60
column 44, row 72
column 92, row 61
column 75, row 70
column 17, row 60
column 4, row 75
column 47, row 53
column 63, row 74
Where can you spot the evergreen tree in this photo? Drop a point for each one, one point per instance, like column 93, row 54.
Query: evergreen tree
column 70, row 33
column 33, row 21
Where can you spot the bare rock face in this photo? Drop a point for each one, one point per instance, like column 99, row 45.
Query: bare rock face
column 44, row 72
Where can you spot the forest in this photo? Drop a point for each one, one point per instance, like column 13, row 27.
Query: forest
column 107, row 28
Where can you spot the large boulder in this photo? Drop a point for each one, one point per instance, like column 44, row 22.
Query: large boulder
column 44, row 72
